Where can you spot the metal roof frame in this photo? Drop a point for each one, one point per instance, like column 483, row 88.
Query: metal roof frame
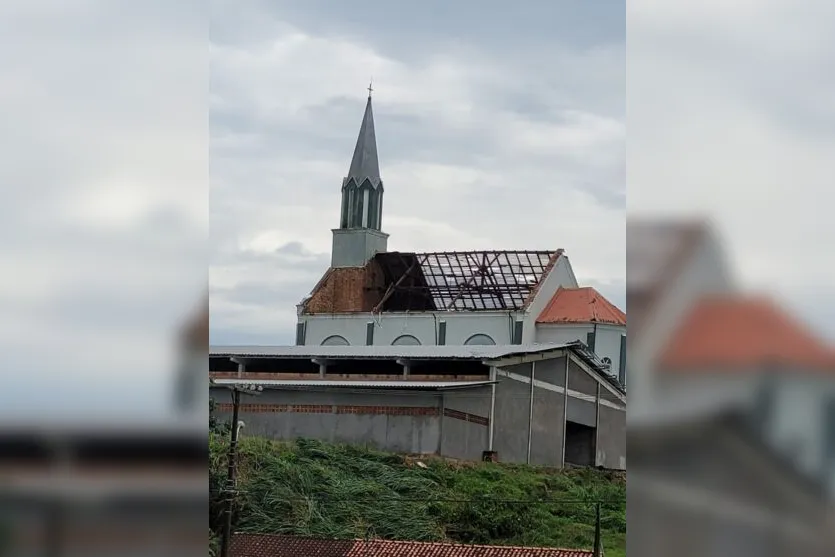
column 462, row 281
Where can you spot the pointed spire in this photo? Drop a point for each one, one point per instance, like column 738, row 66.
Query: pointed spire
column 364, row 164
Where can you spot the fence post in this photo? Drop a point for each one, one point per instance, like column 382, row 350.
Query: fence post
column 597, row 545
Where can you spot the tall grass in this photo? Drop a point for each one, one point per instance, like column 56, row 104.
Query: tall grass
column 317, row 489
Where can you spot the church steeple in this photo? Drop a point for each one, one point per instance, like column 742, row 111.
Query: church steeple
column 364, row 163
column 359, row 234
column 362, row 189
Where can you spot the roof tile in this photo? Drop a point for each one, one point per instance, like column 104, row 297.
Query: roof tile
column 581, row 305
column 266, row 545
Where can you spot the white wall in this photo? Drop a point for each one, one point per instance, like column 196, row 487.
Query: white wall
column 562, row 275
column 704, row 273
column 704, row 389
column 606, row 344
column 459, row 326
column 798, row 426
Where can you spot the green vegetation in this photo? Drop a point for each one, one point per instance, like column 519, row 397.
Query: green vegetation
column 317, row 489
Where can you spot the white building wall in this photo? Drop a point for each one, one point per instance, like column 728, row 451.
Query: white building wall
column 460, row 326
column 704, row 390
column 704, row 273
column 562, row 275
column 606, row 343
column 798, row 426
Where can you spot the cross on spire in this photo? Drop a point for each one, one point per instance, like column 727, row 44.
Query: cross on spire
column 370, row 89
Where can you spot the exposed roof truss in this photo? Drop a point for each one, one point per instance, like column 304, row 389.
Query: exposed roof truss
column 462, row 281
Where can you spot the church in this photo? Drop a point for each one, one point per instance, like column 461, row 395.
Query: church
column 494, row 355
column 371, row 296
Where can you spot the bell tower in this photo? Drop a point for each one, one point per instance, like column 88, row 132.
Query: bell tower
column 359, row 235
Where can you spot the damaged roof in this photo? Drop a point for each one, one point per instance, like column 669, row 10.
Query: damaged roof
column 435, row 281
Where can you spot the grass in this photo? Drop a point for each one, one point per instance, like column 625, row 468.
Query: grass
column 311, row 488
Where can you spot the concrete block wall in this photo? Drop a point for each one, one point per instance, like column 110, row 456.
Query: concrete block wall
column 454, row 424
column 465, row 423
column 611, row 440
column 406, row 423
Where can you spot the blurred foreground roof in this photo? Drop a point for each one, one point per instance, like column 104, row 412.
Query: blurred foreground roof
column 734, row 333
column 658, row 250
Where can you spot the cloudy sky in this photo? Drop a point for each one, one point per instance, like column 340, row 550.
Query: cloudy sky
column 104, row 214
column 732, row 114
column 496, row 129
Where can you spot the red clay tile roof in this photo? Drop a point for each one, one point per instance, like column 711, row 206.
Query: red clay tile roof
column 581, row 305
column 744, row 333
column 265, row 545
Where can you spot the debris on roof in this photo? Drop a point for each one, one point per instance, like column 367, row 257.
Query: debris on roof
column 581, row 305
column 438, row 281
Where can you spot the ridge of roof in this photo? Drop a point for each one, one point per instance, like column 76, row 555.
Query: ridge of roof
column 584, row 304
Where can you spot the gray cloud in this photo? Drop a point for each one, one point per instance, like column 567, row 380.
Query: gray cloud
column 740, row 128
column 106, row 151
column 496, row 130
column 416, row 31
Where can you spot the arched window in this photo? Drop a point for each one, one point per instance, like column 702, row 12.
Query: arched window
column 406, row 340
column 480, row 340
column 335, row 340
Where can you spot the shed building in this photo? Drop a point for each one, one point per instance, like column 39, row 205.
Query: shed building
column 465, row 402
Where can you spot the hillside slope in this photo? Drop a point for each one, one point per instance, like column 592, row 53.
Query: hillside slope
column 316, row 489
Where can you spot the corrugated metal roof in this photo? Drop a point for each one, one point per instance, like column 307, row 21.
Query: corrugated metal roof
column 446, row 352
column 394, row 384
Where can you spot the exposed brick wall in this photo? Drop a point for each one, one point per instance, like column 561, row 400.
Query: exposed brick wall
column 389, row 410
column 472, row 418
column 348, row 409
column 347, row 290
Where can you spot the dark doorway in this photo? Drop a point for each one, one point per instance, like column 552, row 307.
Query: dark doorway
column 579, row 444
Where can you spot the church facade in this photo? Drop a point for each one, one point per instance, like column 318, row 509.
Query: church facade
column 371, row 296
